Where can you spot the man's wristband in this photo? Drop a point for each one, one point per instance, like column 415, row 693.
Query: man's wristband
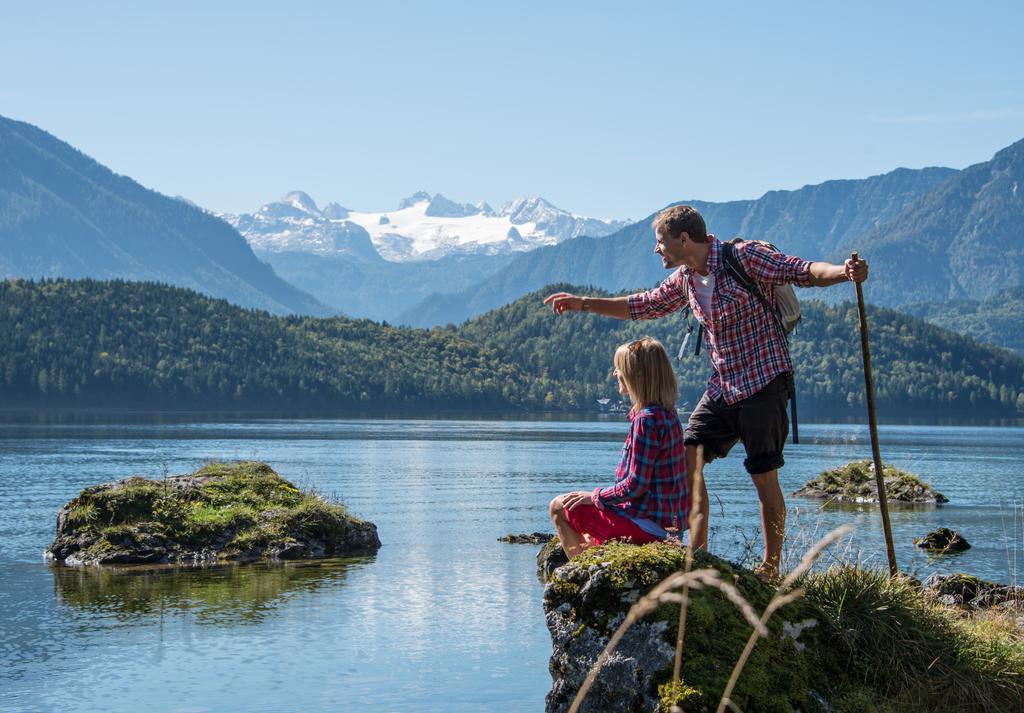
column 585, row 304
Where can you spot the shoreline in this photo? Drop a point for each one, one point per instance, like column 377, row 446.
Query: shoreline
column 61, row 415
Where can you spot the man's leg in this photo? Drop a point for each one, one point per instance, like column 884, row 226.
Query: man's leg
column 763, row 427
column 572, row 542
column 699, row 533
column 711, row 426
column 773, row 518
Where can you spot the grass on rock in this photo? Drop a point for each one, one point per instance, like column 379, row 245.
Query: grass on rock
column 857, row 479
column 246, row 499
column 879, row 644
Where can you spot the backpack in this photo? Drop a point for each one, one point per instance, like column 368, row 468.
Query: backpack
column 787, row 306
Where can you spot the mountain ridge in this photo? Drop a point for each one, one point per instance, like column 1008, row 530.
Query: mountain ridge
column 810, row 221
column 63, row 213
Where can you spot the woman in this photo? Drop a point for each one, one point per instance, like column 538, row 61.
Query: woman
column 650, row 497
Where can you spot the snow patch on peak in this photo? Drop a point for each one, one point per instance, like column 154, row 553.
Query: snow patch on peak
column 524, row 210
column 335, row 211
column 417, row 197
column 441, row 207
column 425, row 227
column 301, row 201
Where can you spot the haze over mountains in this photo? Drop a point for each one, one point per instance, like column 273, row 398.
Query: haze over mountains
column 62, row 214
column 932, row 235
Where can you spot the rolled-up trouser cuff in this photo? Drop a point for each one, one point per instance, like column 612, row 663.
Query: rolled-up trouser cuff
column 763, row 464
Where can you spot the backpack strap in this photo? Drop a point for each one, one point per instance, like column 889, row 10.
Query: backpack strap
column 732, row 263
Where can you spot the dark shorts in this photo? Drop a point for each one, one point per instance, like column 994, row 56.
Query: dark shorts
column 759, row 421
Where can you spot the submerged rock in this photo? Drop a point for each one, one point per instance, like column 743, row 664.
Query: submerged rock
column 224, row 511
column 526, row 538
column 967, row 591
column 550, row 558
column 855, row 483
column 943, row 540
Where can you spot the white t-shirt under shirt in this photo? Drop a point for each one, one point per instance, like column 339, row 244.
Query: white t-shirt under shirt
column 703, row 287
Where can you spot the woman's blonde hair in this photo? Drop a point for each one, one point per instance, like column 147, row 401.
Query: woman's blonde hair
column 647, row 373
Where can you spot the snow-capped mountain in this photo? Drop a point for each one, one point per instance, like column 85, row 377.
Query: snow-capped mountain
column 423, row 227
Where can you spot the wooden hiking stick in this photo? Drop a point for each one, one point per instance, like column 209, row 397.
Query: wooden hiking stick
column 869, row 386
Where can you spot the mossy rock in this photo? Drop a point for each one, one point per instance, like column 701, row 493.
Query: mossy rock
column 855, row 483
column 943, row 541
column 968, row 591
column 587, row 599
column 526, row 538
column 857, row 640
column 224, row 511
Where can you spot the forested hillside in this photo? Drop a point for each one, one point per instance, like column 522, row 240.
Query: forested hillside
column 996, row 320
column 90, row 343
column 919, row 368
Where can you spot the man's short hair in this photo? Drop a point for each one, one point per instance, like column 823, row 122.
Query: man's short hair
column 673, row 222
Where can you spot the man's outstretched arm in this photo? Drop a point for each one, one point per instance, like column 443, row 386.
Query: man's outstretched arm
column 824, row 274
column 668, row 297
column 617, row 307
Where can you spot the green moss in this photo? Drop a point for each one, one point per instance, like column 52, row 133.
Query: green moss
column 120, row 535
column 777, row 676
column 857, row 480
column 130, row 503
column 686, row 697
column 631, row 566
column 234, row 507
column 248, row 482
column 83, row 514
column 878, row 644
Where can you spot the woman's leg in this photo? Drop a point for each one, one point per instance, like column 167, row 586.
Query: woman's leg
column 572, row 542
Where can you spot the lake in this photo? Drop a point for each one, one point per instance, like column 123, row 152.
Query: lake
column 444, row 617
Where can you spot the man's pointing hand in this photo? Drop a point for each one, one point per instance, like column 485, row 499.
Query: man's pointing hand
column 564, row 302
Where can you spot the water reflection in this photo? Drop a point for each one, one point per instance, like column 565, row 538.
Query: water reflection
column 221, row 594
column 833, row 505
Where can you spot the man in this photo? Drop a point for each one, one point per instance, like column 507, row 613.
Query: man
column 748, row 390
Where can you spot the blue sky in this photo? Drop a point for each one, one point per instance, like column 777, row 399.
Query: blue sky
column 605, row 109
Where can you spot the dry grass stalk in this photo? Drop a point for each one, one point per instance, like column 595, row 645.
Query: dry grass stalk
column 663, row 592
column 782, row 598
column 695, row 521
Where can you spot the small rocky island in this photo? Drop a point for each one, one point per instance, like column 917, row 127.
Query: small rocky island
column 241, row 511
column 855, row 483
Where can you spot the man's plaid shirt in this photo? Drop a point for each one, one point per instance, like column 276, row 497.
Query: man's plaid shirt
column 651, row 477
column 746, row 344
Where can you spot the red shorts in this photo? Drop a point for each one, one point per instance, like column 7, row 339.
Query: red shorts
column 602, row 525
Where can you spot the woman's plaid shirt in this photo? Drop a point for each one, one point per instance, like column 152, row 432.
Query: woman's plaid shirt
column 651, row 477
column 746, row 344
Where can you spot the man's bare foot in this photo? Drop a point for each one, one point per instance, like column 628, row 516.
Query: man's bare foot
column 766, row 573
